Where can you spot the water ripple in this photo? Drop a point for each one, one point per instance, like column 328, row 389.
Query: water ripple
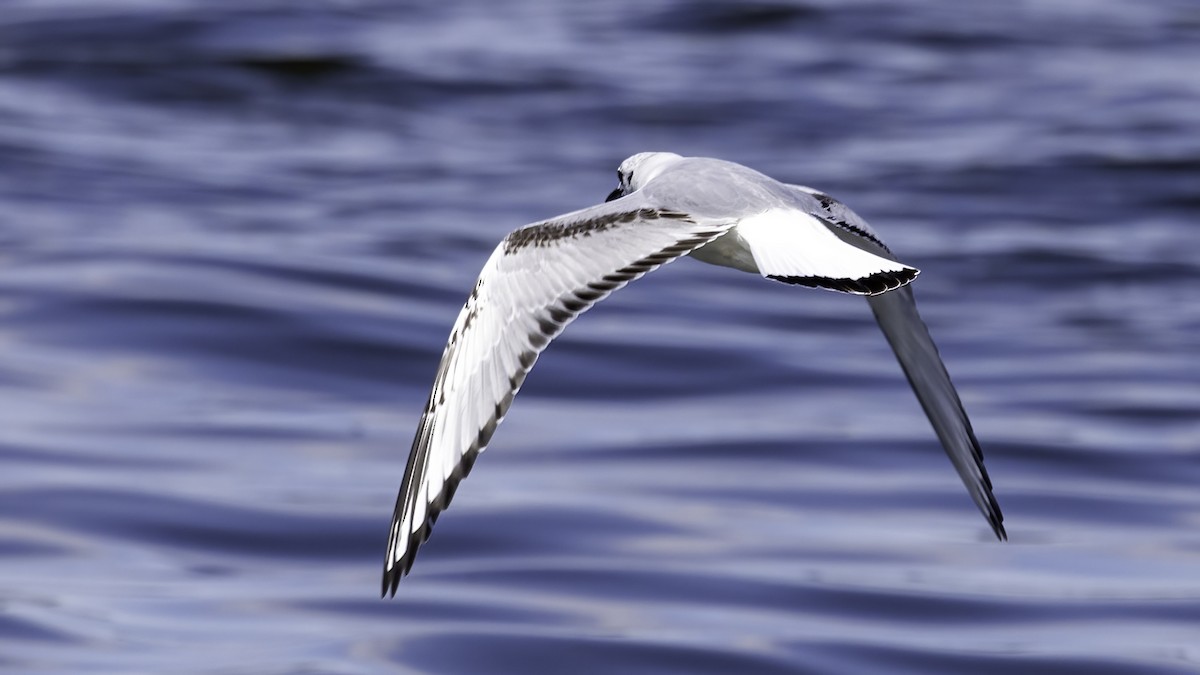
column 235, row 236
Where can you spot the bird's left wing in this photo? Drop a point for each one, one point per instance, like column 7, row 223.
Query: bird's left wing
column 536, row 282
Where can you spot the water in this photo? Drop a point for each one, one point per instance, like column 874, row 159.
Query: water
column 234, row 235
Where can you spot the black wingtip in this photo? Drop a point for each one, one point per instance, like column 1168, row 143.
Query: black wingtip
column 988, row 504
column 994, row 516
column 401, row 567
column 392, row 575
column 992, row 510
column 996, row 520
column 391, row 579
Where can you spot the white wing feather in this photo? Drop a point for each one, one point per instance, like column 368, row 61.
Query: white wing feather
column 799, row 248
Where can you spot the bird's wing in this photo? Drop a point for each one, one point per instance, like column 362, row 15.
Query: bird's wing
column 897, row 316
column 896, row 313
column 536, row 282
column 800, row 248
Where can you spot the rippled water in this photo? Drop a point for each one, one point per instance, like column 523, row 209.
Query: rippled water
column 234, row 235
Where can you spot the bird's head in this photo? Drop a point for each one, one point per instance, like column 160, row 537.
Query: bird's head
column 640, row 169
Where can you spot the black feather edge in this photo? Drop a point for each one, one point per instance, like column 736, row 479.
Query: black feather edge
column 873, row 284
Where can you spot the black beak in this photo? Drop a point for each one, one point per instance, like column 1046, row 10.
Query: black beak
column 615, row 194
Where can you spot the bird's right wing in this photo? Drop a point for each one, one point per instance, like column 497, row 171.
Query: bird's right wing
column 898, row 318
column 536, row 282
column 897, row 315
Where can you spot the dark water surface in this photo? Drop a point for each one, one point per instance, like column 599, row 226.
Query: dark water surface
column 234, row 235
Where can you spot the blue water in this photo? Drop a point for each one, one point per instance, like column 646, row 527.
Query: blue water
column 234, row 236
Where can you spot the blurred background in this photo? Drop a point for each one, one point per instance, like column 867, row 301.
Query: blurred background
column 234, row 235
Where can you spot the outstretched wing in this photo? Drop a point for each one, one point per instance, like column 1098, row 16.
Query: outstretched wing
column 896, row 313
column 536, row 282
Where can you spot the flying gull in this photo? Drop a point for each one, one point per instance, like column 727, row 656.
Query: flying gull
column 543, row 275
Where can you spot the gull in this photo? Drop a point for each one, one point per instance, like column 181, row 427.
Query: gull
column 542, row 276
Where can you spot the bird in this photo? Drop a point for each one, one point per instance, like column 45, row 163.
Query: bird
column 665, row 206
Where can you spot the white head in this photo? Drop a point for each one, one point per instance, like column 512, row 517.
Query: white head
column 640, row 169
